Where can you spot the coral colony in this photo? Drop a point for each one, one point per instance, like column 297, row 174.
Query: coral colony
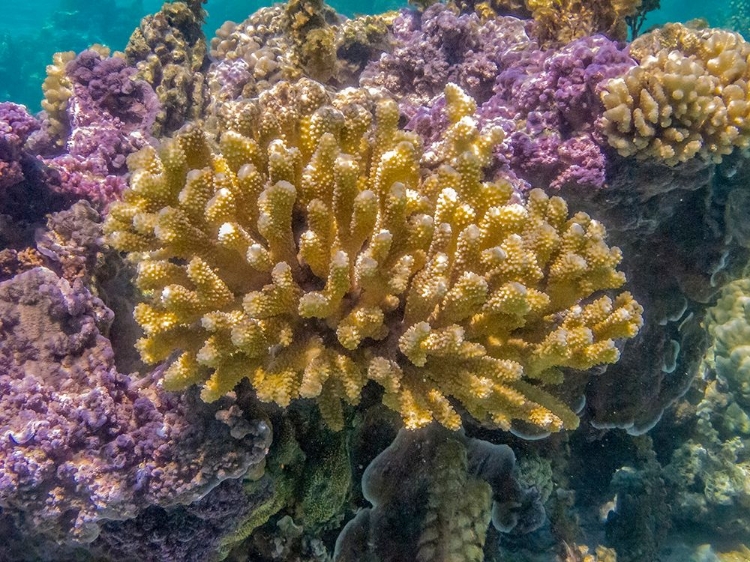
column 460, row 282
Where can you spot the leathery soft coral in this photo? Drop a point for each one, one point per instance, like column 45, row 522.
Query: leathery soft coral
column 686, row 99
column 311, row 254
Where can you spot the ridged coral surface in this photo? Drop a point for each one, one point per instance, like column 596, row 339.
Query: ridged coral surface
column 686, row 99
column 311, row 254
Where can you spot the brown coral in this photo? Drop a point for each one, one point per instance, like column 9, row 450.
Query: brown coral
column 169, row 50
column 562, row 21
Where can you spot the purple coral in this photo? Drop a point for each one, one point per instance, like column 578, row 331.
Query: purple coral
column 551, row 99
column 82, row 443
column 546, row 101
column 111, row 115
column 441, row 46
column 16, row 125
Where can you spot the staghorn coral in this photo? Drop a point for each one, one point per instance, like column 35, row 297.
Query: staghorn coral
column 686, row 99
column 169, row 50
column 309, row 256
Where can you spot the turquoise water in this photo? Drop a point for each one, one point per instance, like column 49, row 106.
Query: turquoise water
column 30, row 32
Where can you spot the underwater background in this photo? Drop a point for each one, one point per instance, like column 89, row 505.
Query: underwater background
column 452, row 281
column 31, row 32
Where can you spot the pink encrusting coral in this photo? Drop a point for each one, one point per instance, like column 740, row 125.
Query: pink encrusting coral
column 110, row 115
column 16, row 125
column 83, row 444
column 546, row 100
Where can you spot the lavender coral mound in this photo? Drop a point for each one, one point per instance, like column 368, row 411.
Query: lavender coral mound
column 110, row 116
column 16, row 125
column 82, row 443
column 441, row 46
column 186, row 534
column 545, row 100
column 548, row 100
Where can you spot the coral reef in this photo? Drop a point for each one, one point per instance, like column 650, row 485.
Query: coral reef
column 109, row 116
column 686, row 98
column 84, row 444
column 169, row 50
column 352, row 298
column 432, row 496
column 460, row 291
column 544, row 99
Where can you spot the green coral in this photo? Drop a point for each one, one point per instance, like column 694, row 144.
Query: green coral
column 458, row 509
column 326, row 483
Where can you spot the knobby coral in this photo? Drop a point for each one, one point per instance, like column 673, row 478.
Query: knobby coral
column 311, row 254
column 81, row 443
column 686, row 99
column 562, row 21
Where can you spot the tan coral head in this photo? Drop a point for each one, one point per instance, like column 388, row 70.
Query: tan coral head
column 311, row 253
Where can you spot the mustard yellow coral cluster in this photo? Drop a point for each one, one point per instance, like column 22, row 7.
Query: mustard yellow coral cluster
column 687, row 98
column 562, row 21
column 311, row 253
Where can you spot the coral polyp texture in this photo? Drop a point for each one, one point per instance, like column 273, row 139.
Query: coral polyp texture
column 310, row 254
column 686, row 99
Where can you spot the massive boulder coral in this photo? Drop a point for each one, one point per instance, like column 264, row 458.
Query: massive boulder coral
column 543, row 98
column 287, row 41
column 686, row 99
column 310, row 256
column 16, row 126
column 83, row 444
column 170, row 52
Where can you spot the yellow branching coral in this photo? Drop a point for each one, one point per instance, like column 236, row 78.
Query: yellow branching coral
column 687, row 98
column 310, row 253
